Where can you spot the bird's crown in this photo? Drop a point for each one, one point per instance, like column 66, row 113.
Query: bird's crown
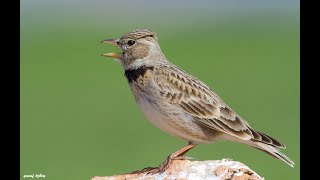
column 138, row 34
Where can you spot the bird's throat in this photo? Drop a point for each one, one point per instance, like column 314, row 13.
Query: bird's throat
column 134, row 74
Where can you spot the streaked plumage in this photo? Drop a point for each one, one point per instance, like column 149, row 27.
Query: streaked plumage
column 180, row 104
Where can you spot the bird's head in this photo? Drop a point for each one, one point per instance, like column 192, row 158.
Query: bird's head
column 139, row 48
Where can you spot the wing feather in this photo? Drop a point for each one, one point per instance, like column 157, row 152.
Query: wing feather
column 197, row 99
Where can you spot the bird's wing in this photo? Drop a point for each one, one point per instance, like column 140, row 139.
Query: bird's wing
column 197, row 99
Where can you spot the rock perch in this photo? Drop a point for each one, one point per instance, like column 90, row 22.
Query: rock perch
column 195, row 170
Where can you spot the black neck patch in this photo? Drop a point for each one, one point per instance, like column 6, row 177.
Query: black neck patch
column 134, row 74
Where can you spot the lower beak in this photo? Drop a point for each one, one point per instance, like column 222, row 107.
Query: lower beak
column 115, row 43
column 112, row 55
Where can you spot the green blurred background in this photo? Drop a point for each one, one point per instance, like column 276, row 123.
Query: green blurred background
column 79, row 118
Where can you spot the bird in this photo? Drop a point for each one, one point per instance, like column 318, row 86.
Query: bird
column 179, row 103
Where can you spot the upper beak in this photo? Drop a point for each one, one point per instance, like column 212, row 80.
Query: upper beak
column 112, row 42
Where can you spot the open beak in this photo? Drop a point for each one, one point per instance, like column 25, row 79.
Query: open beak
column 112, row 42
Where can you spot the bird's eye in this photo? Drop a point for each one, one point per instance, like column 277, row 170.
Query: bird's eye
column 131, row 42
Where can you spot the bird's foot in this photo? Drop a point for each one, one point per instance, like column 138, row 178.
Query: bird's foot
column 162, row 167
column 147, row 170
column 183, row 158
column 178, row 155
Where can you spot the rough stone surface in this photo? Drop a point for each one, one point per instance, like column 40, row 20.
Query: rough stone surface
column 195, row 170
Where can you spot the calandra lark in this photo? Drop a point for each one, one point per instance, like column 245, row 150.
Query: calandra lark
column 180, row 104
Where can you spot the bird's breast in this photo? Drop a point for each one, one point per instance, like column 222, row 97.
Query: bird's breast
column 149, row 101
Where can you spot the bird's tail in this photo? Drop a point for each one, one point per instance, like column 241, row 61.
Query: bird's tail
column 269, row 149
column 266, row 144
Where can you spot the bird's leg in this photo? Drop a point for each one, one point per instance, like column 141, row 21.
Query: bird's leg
column 165, row 165
column 176, row 155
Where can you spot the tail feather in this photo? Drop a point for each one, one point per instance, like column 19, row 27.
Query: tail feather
column 263, row 143
column 269, row 145
column 273, row 152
